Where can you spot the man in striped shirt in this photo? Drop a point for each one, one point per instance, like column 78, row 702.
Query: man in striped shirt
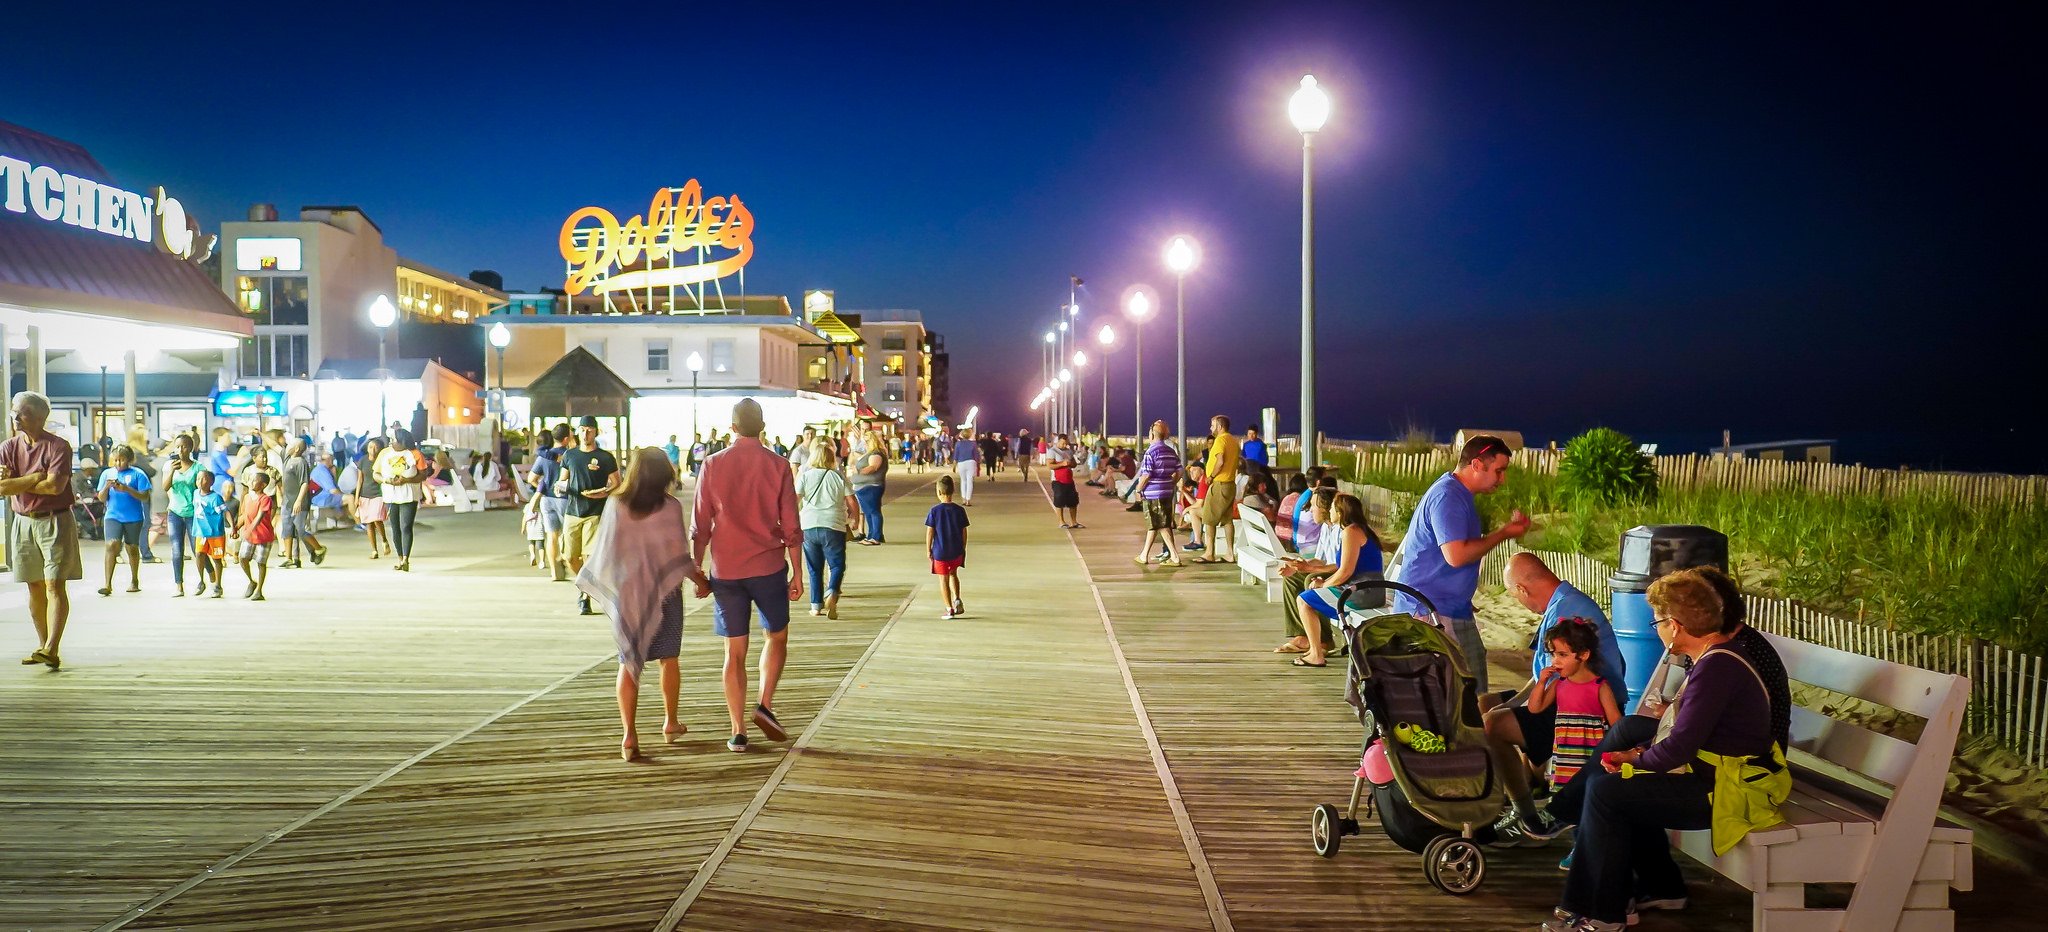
column 1157, row 474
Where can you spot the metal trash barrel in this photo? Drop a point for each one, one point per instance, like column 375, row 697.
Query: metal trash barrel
column 1647, row 553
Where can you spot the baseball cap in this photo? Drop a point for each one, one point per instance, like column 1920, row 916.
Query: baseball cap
column 586, row 421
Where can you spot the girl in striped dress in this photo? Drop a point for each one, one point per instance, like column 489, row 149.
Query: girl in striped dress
column 1585, row 702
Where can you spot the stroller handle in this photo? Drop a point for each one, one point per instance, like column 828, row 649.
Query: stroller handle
column 1345, row 592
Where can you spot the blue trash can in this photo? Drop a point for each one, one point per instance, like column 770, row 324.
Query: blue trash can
column 1647, row 553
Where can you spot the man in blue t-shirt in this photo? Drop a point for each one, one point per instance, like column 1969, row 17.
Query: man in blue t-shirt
column 554, row 505
column 1440, row 554
column 1254, row 449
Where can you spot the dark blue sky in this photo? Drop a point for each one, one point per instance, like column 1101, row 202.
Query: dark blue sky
column 1534, row 216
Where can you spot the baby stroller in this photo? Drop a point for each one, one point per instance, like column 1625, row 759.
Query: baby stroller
column 1408, row 671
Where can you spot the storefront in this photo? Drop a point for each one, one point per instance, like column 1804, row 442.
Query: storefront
column 104, row 304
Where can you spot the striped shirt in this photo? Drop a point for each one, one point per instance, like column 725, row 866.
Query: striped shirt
column 1156, row 474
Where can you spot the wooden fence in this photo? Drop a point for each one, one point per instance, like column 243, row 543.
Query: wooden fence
column 2008, row 692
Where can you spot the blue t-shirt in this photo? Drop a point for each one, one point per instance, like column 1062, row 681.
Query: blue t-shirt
column 209, row 516
column 948, row 522
column 219, row 463
column 675, row 454
column 122, row 506
column 548, row 466
column 966, row 451
column 1446, row 513
column 1255, row 452
column 1569, row 602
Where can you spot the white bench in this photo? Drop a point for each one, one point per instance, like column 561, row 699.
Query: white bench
column 1258, row 551
column 1901, row 857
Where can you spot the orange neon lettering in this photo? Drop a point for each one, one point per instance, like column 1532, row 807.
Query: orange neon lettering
column 606, row 255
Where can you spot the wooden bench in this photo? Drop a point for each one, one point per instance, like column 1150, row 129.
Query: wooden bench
column 1258, row 551
column 1840, row 827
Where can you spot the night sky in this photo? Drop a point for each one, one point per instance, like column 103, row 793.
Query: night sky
column 1785, row 221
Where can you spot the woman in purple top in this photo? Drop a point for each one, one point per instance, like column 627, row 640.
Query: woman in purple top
column 1154, row 483
column 1622, row 860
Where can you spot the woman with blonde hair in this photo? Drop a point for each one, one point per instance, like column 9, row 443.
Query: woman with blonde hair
column 824, row 503
column 635, row 574
column 868, row 474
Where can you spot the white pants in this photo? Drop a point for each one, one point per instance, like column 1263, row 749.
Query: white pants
column 965, row 471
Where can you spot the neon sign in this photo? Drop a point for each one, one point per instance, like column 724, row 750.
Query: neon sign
column 60, row 197
column 683, row 240
column 243, row 402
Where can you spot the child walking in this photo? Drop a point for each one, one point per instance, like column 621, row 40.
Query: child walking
column 945, row 537
column 209, row 533
column 1585, row 703
column 258, row 531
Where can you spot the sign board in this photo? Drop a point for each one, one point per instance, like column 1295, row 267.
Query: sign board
column 61, row 197
column 684, row 240
column 242, row 402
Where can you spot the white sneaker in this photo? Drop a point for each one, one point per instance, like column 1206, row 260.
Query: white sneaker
column 946, row 615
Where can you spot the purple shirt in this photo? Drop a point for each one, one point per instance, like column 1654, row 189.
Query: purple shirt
column 1157, row 472
column 50, row 456
column 1724, row 709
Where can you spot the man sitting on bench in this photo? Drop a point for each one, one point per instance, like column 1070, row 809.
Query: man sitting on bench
column 1726, row 718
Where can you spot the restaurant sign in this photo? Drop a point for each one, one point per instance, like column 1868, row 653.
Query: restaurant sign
column 243, row 402
column 683, row 240
column 61, row 197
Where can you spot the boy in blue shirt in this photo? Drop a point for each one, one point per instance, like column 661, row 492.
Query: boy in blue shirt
column 209, row 532
column 125, row 490
column 945, row 538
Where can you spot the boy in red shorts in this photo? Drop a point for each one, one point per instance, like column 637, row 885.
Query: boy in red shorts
column 945, row 538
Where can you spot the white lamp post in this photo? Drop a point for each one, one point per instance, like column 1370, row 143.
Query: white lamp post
column 382, row 316
column 1181, row 258
column 696, row 364
column 1079, row 424
column 1309, row 109
column 1107, row 337
column 1138, row 307
column 501, row 337
column 1045, row 372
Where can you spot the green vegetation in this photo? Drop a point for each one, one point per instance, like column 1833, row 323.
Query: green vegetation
column 1925, row 563
column 1604, row 467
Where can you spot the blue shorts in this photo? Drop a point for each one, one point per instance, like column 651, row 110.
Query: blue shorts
column 126, row 532
column 733, row 601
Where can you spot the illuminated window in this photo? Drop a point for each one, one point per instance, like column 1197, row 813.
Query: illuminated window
column 721, row 356
column 894, row 365
column 268, row 253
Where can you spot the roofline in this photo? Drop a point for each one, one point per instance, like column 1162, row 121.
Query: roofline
column 459, row 280
column 349, row 207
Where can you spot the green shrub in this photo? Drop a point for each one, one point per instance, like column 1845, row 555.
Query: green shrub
column 1604, row 467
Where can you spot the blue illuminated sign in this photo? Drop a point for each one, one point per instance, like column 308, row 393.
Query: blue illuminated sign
column 241, row 402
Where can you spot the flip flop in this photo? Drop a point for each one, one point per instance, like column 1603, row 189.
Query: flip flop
column 1303, row 662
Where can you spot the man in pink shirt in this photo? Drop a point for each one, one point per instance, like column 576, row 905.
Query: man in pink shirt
column 35, row 470
column 745, row 515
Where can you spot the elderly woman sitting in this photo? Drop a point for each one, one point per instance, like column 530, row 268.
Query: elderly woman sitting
column 1719, row 767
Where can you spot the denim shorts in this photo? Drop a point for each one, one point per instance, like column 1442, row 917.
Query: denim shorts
column 127, row 532
column 733, row 602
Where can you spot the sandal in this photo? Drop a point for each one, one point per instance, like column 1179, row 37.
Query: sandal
column 1303, row 662
column 675, row 736
column 1141, row 561
column 629, row 750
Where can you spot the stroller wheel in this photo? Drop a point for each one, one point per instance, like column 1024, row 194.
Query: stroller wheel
column 1326, row 829
column 1454, row 865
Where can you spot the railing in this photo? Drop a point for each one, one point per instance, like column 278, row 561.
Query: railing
column 464, row 436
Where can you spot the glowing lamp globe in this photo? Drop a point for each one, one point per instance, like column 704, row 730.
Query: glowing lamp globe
column 1309, row 108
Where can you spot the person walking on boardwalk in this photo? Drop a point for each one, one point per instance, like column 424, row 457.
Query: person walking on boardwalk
column 368, row 501
column 1021, row 449
column 868, row 474
column 634, row 573
column 1219, row 506
column 825, row 503
column 945, row 538
column 1066, row 499
column 589, row 473
column 400, row 471
column 745, row 517
column 124, row 490
column 553, row 503
column 1445, row 542
column 258, row 533
column 209, row 531
column 42, row 544
column 181, row 477
column 966, row 463
column 1158, row 475
column 295, row 509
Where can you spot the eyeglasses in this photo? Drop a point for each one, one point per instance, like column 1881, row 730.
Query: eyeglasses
column 1666, row 621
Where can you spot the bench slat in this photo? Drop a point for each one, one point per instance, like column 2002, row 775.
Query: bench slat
column 1880, row 757
column 1892, row 685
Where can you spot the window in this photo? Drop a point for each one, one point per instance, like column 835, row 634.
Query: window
column 894, row 365
column 721, row 356
column 275, row 355
column 594, row 348
column 271, row 300
column 657, row 355
column 892, row 342
column 267, row 253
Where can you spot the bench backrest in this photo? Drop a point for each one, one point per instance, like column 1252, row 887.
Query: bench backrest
column 1258, row 530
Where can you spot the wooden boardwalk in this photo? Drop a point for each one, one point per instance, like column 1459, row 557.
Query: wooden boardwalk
column 1095, row 746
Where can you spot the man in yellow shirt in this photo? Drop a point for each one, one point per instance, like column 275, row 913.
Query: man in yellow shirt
column 1219, row 508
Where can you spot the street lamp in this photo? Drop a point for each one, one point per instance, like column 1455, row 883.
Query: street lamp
column 382, row 316
column 1107, row 337
column 696, row 364
column 1138, row 307
column 1045, row 372
column 1181, row 258
column 501, row 337
column 1309, row 109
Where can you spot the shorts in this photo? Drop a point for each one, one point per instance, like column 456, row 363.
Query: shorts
column 1064, row 495
column 733, row 602
column 1539, row 732
column 295, row 525
column 215, row 547
column 44, row 549
column 369, row 510
column 258, row 554
column 1159, row 514
column 1466, row 632
column 579, row 534
column 553, row 511
column 123, row 532
column 947, row 567
column 1220, row 506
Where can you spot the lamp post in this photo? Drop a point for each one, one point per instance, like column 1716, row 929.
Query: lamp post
column 1309, row 109
column 696, row 364
column 99, row 425
column 501, row 337
column 1045, row 372
column 1059, row 421
column 1107, row 337
column 1180, row 257
column 1073, row 320
column 1080, row 424
column 1137, row 307
column 382, row 316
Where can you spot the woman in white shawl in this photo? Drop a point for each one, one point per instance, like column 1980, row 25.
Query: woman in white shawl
column 635, row 574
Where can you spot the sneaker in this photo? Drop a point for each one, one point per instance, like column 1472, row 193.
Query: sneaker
column 1540, row 825
column 1566, row 922
column 1566, row 864
column 583, row 605
column 1191, row 545
column 1507, row 830
column 946, row 615
column 764, row 719
column 216, row 592
column 736, row 743
column 959, row 608
column 1670, row 903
